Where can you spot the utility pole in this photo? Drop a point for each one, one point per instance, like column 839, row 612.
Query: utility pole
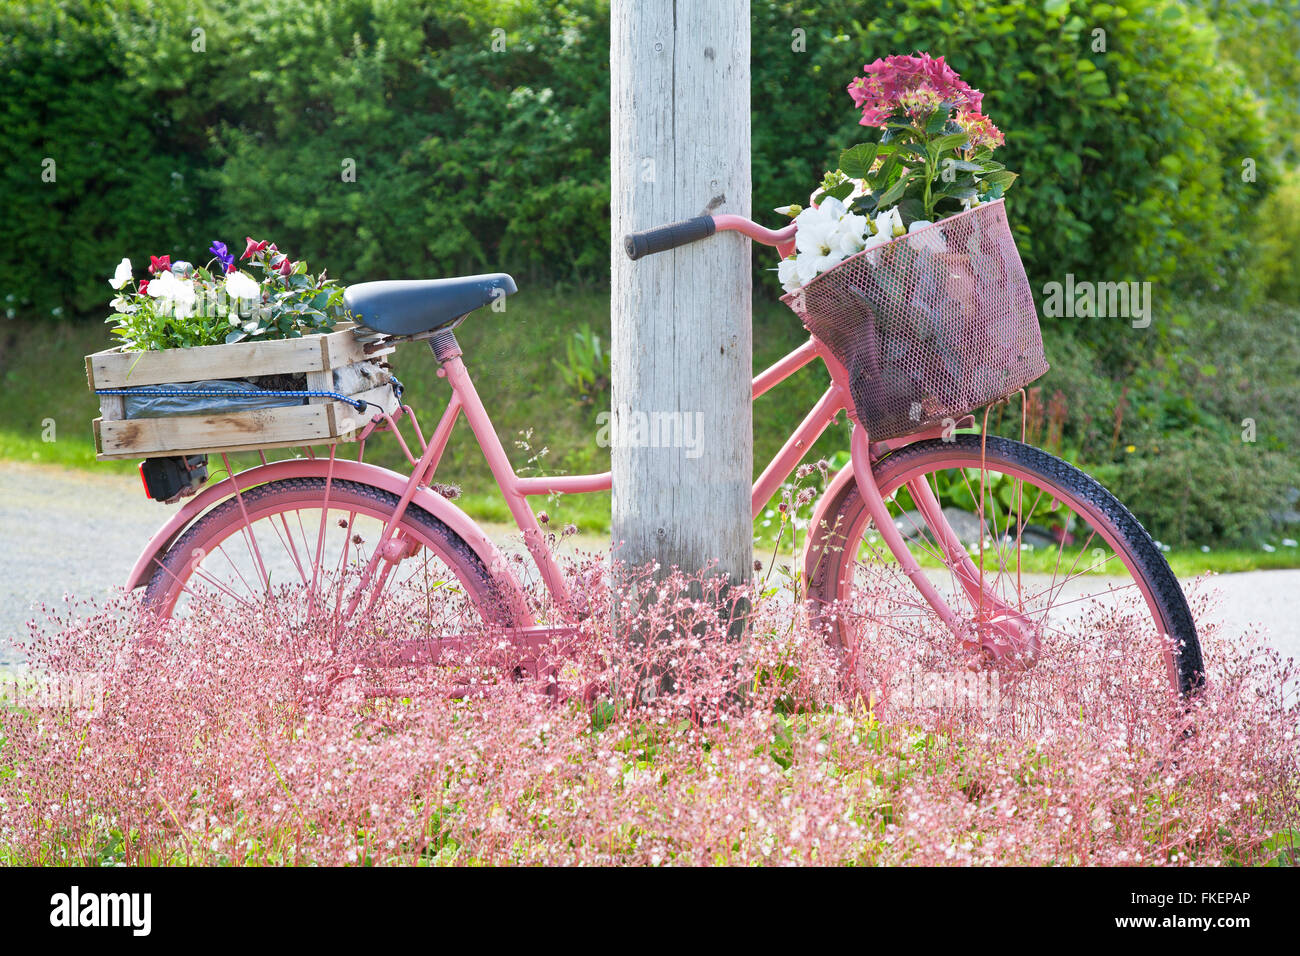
column 682, row 426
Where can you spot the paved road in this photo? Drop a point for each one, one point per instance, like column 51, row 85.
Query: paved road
column 75, row 532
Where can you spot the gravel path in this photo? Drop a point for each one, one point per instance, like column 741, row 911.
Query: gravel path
column 75, row 532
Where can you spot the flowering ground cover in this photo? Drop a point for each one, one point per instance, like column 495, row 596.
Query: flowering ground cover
column 239, row 738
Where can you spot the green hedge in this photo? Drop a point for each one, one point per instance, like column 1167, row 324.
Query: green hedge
column 471, row 158
column 121, row 181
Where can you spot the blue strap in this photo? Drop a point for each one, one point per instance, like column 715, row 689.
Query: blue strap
column 358, row 404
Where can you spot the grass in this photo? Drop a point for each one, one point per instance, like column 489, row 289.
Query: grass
column 46, row 409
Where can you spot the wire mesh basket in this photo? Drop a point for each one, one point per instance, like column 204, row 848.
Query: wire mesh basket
column 930, row 326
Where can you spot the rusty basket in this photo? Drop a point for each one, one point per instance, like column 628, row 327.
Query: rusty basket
column 931, row 325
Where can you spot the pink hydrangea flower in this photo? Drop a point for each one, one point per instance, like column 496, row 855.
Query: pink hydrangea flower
column 980, row 129
column 912, row 84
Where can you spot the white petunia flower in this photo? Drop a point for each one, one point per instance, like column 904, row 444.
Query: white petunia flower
column 877, row 238
column 835, row 208
column 788, row 272
column 176, row 294
column 889, row 224
column 120, row 304
column 851, row 234
column 122, row 275
column 810, row 265
column 824, row 237
column 816, row 227
column 241, row 286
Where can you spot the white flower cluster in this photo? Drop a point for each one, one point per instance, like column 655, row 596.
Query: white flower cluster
column 175, row 295
column 175, row 291
column 831, row 232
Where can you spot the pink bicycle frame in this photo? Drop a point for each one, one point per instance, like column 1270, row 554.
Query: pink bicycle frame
column 516, row 489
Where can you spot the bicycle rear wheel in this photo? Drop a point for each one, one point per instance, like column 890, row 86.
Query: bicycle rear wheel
column 285, row 542
column 1056, row 554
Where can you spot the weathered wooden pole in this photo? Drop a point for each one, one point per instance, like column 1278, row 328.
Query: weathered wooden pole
column 682, row 430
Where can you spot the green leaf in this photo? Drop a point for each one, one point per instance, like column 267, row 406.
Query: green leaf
column 856, row 161
column 949, row 141
column 959, row 192
column 894, row 192
column 910, row 210
column 885, row 175
column 1002, row 178
column 840, row 192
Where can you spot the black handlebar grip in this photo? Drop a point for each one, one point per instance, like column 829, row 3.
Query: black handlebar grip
column 663, row 238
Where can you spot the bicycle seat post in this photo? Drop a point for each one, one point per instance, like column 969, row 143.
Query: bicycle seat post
column 444, row 345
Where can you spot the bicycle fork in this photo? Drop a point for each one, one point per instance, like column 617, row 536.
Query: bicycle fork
column 998, row 630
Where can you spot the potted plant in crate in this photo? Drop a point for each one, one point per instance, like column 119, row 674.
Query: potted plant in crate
column 183, row 306
column 232, row 355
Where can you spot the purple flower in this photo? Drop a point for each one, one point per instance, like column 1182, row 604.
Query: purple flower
column 223, row 255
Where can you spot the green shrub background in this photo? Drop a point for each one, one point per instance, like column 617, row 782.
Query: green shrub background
column 1133, row 163
column 467, row 158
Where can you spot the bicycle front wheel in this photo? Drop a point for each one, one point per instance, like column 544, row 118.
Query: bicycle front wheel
column 1039, row 544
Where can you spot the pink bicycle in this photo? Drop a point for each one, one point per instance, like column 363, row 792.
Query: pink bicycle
column 927, row 530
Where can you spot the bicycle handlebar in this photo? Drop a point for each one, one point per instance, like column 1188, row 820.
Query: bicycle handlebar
column 663, row 238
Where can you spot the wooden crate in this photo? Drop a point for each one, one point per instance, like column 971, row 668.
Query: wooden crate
column 322, row 421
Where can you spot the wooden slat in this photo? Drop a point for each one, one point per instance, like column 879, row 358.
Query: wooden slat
column 339, row 351
column 214, row 450
column 112, row 407
column 155, row 436
column 346, row 420
column 237, row 431
column 320, row 382
column 114, row 368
